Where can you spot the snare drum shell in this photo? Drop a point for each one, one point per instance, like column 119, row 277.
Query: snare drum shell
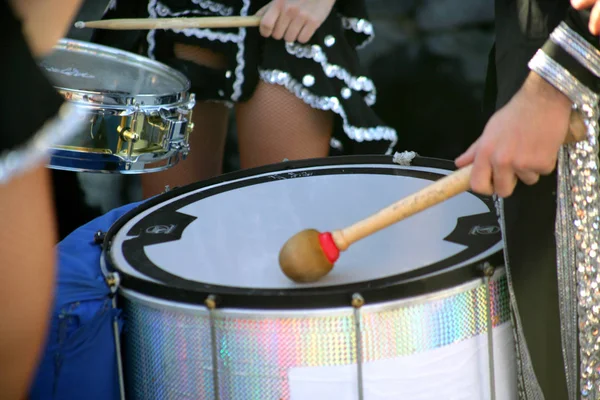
column 137, row 109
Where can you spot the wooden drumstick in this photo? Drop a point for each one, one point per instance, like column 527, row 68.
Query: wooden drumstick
column 309, row 255
column 171, row 23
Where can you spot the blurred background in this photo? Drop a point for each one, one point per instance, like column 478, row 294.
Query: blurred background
column 428, row 61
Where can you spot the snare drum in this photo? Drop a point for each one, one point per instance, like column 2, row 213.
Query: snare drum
column 139, row 110
column 419, row 310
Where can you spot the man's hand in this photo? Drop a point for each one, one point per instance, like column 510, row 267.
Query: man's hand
column 521, row 141
column 594, row 23
column 293, row 20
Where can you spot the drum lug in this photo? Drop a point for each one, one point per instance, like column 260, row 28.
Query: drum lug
column 129, row 136
column 99, row 237
column 169, row 130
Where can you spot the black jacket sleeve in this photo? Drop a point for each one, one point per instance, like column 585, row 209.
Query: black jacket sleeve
column 28, row 99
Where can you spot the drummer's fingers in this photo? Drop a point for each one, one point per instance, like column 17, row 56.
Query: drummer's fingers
column 263, row 10
column 481, row 175
column 582, row 4
column 287, row 20
column 467, row 157
column 270, row 17
column 528, row 177
column 594, row 23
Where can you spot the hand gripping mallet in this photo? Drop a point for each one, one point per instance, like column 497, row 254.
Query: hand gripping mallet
column 310, row 255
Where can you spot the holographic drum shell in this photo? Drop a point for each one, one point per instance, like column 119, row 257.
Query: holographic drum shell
column 419, row 310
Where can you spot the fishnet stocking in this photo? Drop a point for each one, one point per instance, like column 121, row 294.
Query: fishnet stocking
column 274, row 124
column 207, row 141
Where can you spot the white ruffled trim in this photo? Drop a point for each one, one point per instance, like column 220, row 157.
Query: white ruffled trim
column 111, row 6
column 214, row 7
column 56, row 131
column 355, row 133
column 157, row 9
column 361, row 26
column 316, row 53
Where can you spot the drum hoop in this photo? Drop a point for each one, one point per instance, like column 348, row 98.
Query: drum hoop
column 383, row 289
column 117, row 101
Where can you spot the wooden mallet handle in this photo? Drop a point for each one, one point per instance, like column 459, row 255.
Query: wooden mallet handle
column 441, row 190
column 171, row 23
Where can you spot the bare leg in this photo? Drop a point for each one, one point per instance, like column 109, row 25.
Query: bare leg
column 207, row 141
column 274, row 124
column 27, row 266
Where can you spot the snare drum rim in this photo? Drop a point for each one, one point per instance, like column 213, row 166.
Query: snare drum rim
column 99, row 100
column 379, row 290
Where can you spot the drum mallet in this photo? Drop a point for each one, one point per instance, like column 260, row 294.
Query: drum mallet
column 309, row 255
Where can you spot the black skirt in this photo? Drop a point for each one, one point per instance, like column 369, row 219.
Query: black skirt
column 325, row 73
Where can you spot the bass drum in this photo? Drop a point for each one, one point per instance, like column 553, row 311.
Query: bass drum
column 419, row 310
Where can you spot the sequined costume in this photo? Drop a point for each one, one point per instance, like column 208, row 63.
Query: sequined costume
column 551, row 228
column 324, row 73
column 28, row 123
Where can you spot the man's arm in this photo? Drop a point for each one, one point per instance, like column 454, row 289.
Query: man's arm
column 521, row 141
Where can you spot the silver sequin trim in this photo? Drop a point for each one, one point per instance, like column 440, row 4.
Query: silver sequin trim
column 562, row 79
column 157, row 9
column 579, row 235
column 316, row 53
column 214, row 7
column 579, row 48
column 164, row 11
column 112, row 5
column 153, row 10
column 359, row 26
column 308, row 80
column 567, row 284
column 358, row 134
column 329, row 40
column 336, row 144
column 58, row 130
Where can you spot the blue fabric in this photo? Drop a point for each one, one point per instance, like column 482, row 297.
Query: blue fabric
column 79, row 360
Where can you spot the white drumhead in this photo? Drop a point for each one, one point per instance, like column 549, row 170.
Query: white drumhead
column 232, row 237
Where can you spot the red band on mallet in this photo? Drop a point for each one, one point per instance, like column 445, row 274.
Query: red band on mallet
column 329, row 248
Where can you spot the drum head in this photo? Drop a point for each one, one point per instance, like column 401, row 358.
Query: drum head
column 99, row 75
column 224, row 236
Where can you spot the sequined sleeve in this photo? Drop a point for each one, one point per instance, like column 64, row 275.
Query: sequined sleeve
column 570, row 59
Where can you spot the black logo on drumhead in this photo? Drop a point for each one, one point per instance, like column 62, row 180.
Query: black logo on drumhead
column 161, row 229
column 484, row 230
